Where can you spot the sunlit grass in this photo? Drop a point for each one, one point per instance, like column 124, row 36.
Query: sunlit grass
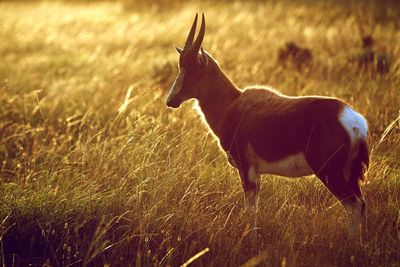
column 96, row 170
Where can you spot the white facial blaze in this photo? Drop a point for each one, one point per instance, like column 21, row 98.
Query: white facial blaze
column 177, row 86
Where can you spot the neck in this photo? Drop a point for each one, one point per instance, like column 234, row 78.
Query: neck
column 217, row 99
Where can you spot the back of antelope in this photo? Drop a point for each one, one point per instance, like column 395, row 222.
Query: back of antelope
column 264, row 131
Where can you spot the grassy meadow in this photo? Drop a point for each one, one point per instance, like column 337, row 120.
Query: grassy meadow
column 95, row 170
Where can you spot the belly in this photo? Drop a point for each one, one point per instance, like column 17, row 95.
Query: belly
column 291, row 166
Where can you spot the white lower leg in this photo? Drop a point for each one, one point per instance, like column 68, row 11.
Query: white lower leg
column 251, row 201
column 251, row 196
column 355, row 218
column 251, row 210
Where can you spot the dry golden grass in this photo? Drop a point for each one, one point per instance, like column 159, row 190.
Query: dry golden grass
column 95, row 169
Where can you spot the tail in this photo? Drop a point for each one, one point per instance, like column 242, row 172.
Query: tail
column 359, row 166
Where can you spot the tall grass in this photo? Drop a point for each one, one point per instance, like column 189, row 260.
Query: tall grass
column 95, row 169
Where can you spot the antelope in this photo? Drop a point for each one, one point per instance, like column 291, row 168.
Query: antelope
column 263, row 131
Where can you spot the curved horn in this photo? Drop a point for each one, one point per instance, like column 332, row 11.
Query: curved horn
column 189, row 39
column 196, row 46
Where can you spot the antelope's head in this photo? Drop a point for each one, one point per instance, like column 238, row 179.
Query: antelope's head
column 194, row 67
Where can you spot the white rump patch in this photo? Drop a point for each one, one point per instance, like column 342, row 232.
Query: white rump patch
column 354, row 123
column 291, row 166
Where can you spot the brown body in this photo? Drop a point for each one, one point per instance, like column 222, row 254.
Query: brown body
column 263, row 131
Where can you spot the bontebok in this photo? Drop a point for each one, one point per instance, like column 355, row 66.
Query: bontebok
column 264, row 131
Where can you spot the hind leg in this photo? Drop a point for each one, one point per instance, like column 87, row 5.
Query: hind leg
column 363, row 215
column 354, row 205
column 330, row 161
column 355, row 209
column 355, row 186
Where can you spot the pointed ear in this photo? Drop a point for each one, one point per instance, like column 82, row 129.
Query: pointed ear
column 203, row 57
column 179, row 50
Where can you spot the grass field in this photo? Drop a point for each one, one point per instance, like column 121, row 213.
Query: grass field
column 95, row 170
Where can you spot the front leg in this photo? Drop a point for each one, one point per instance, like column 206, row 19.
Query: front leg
column 250, row 182
column 251, row 185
